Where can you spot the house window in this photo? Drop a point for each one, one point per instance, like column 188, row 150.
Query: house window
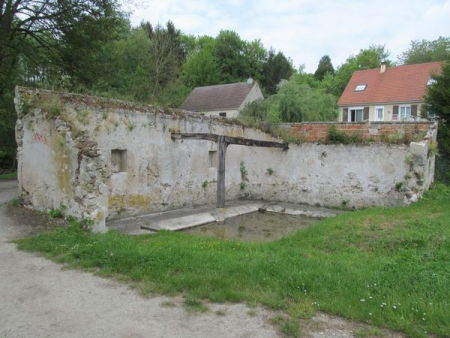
column 405, row 112
column 213, row 158
column 118, row 160
column 360, row 88
column 223, row 114
column 379, row 113
column 356, row 114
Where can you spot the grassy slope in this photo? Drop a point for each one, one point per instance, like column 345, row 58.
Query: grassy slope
column 387, row 267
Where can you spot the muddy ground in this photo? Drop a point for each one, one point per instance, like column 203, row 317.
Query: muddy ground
column 42, row 299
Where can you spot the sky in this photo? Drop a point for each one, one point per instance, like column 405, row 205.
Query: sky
column 306, row 30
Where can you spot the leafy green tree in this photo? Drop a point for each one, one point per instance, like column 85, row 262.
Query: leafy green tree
column 259, row 111
column 230, row 57
column 298, row 102
column 36, row 39
column 325, row 67
column 173, row 94
column 65, row 29
column 372, row 57
column 125, row 55
column 255, row 56
column 421, row 51
column 277, row 67
column 438, row 102
column 166, row 55
column 369, row 58
column 202, row 67
column 295, row 101
column 301, row 77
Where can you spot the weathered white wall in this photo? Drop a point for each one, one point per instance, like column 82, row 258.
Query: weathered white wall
column 66, row 160
column 231, row 113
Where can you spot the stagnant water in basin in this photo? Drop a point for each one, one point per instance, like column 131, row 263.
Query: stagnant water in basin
column 254, row 227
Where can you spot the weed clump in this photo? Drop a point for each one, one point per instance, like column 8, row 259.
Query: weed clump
column 339, row 136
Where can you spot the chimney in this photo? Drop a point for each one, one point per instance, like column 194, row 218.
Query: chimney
column 383, row 66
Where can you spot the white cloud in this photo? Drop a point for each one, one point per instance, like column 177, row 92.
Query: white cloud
column 305, row 30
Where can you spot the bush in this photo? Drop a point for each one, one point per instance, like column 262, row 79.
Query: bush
column 339, row 136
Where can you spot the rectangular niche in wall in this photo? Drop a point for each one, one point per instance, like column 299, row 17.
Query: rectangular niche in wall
column 118, row 160
column 213, row 158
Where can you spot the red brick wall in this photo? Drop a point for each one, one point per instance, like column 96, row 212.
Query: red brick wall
column 376, row 132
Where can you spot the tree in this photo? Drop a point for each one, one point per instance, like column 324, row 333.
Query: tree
column 255, row 56
column 46, row 40
column 130, row 60
column 372, row 57
column 166, row 55
column 230, row 57
column 325, row 67
column 421, row 51
column 298, row 102
column 202, row 68
column 276, row 68
column 438, row 102
column 53, row 25
column 295, row 101
column 369, row 58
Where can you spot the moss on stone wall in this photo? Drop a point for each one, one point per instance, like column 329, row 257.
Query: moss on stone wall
column 62, row 162
column 144, row 202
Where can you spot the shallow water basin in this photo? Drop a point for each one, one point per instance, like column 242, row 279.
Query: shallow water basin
column 254, row 227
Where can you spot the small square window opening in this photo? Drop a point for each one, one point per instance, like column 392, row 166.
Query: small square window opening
column 213, row 158
column 118, row 160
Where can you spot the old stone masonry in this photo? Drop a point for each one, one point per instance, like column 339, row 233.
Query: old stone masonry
column 96, row 157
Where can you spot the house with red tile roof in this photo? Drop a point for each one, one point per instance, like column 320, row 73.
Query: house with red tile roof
column 225, row 100
column 387, row 94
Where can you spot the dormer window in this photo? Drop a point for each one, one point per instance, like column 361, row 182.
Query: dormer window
column 360, row 88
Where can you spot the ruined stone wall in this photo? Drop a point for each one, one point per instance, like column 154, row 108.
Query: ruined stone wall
column 386, row 132
column 59, row 166
column 99, row 158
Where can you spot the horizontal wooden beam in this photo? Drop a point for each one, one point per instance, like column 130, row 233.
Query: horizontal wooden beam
column 194, row 136
column 255, row 143
column 229, row 140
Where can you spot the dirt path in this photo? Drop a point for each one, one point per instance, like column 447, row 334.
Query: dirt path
column 41, row 299
column 8, row 191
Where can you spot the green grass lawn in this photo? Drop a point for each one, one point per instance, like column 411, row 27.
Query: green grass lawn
column 8, row 176
column 389, row 267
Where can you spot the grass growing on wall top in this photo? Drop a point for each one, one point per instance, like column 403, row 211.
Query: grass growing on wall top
column 386, row 267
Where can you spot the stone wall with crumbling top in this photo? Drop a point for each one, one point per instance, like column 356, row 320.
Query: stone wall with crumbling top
column 369, row 131
column 97, row 158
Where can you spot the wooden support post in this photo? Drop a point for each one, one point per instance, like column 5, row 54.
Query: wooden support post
column 222, row 149
column 222, row 144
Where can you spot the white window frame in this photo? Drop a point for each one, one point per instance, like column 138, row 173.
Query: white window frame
column 376, row 117
column 349, row 119
column 404, row 116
